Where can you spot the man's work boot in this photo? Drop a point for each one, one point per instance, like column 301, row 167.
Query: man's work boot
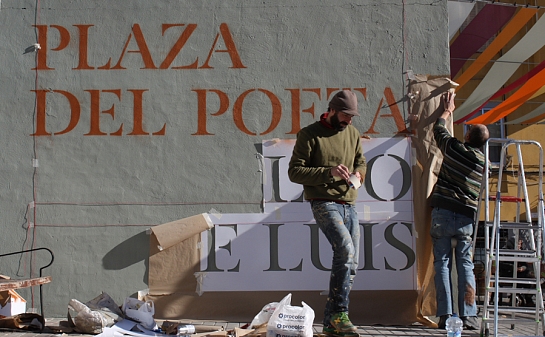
column 443, row 321
column 471, row 323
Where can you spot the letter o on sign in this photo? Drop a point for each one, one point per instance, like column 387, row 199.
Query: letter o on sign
column 406, row 177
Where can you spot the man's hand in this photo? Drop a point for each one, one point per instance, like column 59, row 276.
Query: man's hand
column 340, row 171
column 448, row 104
column 357, row 174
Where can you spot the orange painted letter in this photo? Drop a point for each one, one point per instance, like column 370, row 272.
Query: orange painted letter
column 94, row 128
column 201, row 111
column 229, row 44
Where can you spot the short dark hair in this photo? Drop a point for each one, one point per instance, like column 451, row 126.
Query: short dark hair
column 478, row 135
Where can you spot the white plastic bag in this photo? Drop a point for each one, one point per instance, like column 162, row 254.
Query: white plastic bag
column 140, row 311
column 264, row 315
column 288, row 320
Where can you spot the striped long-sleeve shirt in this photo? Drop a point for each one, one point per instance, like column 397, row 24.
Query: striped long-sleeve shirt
column 459, row 181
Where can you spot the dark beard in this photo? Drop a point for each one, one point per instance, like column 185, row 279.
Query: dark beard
column 336, row 124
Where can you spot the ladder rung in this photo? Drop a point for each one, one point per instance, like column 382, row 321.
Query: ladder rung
column 507, row 198
column 513, row 252
column 518, row 259
column 517, row 320
column 519, row 252
column 514, row 225
column 519, row 225
column 508, row 290
column 526, row 280
column 525, row 310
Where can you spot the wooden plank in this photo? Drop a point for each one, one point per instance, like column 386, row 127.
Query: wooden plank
column 23, row 283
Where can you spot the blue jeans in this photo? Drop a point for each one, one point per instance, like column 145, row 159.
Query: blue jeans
column 339, row 223
column 446, row 225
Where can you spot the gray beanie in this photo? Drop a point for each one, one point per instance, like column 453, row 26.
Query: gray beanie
column 345, row 101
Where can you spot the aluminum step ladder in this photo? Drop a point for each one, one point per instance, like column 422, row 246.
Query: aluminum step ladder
column 521, row 248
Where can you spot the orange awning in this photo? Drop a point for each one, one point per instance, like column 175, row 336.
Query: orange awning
column 527, row 91
column 510, row 30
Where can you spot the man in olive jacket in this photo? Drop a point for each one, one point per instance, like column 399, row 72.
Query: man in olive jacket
column 325, row 156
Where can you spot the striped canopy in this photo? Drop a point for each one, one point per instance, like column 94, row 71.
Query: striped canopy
column 489, row 32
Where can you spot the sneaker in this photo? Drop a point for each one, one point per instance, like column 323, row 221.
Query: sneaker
column 330, row 331
column 341, row 323
column 443, row 321
column 471, row 323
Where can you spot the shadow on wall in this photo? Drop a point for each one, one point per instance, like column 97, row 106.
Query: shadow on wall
column 127, row 253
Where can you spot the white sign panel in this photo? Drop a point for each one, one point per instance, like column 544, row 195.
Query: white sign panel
column 283, row 248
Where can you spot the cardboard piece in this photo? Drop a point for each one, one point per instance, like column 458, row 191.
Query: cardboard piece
column 26, row 321
column 261, row 331
column 244, row 332
column 171, row 328
column 426, row 107
column 211, row 334
column 11, row 303
column 172, row 233
column 174, row 255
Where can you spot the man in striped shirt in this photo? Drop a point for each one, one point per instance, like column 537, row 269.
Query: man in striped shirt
column 454, row 201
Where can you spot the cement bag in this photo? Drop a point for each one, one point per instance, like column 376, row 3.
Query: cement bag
column 140, row 311
column 93, row 316
column 288, row 320
column 85, row 320
column 105, row 305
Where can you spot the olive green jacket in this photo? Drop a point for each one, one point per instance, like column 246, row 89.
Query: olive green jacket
column 319, row 148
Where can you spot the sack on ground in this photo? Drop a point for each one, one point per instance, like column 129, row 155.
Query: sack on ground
column 104, row 304
column 289, row 320
column 94, row 315
column 140, row 311
column 84, row 319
